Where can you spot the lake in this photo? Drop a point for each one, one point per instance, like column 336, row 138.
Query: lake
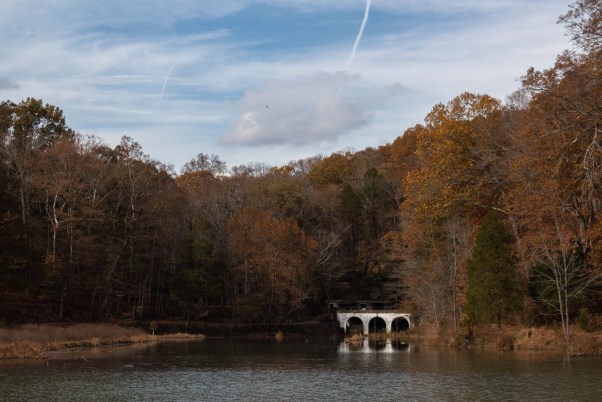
column 297, row 370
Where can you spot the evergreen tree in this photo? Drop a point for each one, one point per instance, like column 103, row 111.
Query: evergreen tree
column 493, row 285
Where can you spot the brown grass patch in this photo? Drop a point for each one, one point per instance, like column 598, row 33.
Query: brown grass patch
column 21, row 350
column 47, row 333
column 544, row 338
column 378, row 337
column 31, row 341
column 428, row 334
column 490, row 337
column 354, row 338
column 585, row 343
column 401, row 336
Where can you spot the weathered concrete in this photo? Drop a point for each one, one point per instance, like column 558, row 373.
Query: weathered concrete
column 367, row 315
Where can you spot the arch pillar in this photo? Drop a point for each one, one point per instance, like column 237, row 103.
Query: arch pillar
column 366, row 322
column 388, row 323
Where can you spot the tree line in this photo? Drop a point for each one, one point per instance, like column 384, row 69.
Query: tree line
column 486, row 213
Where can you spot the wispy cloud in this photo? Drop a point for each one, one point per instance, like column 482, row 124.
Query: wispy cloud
column 110, row 64
column 165, row 82
column 360, row 33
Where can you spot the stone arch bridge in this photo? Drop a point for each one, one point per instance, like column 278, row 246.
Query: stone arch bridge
column 372, row 320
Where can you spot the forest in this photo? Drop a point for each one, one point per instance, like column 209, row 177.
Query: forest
column 486, row 213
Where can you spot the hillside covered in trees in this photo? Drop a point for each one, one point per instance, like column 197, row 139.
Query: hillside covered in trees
column 486, row 213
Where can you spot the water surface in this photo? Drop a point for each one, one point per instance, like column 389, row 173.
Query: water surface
column 297, row 370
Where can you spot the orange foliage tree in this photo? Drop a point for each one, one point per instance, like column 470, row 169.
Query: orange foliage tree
column 456, row 178
column 272, row 260
column 556, row 172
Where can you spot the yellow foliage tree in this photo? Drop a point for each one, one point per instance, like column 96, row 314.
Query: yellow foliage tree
column 456, row 150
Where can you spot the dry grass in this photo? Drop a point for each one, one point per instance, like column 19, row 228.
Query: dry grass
column 48, row 333
column 585, row 343
column 378, row 337
column 401, row 336
column 31, row 341
column 354, row 338
column 546, row 338
column 21, row 350
column 538, row 339
column 508, row 338
column 428, row 334
column 490, row 337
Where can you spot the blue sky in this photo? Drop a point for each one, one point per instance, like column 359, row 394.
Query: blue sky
column 188, row 76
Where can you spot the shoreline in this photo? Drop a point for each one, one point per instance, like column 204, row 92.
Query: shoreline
column 34, row 341
column 34, row 350
column 512, row 339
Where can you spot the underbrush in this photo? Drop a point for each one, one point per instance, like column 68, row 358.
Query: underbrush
column 489, row 337
column 428, row 334
column 538, row 339
column 542, row 338
column 511, row 337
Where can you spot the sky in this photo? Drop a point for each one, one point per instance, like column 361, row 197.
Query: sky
column 268, row 81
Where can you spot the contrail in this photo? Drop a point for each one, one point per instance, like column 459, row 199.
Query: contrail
column 165, row 82
column 360, row 33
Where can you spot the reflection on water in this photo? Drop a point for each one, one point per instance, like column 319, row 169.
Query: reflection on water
column 297, row 370
column 368, row 346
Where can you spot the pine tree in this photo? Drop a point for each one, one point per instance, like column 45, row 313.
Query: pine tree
column 493, row 283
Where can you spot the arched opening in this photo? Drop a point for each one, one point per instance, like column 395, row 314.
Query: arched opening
column 354, row 326
column 377, row 324
column 400, row 324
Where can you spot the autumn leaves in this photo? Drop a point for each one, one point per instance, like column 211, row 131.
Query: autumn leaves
column 535, row 161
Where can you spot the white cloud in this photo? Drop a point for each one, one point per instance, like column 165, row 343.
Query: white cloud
column 308, row 109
